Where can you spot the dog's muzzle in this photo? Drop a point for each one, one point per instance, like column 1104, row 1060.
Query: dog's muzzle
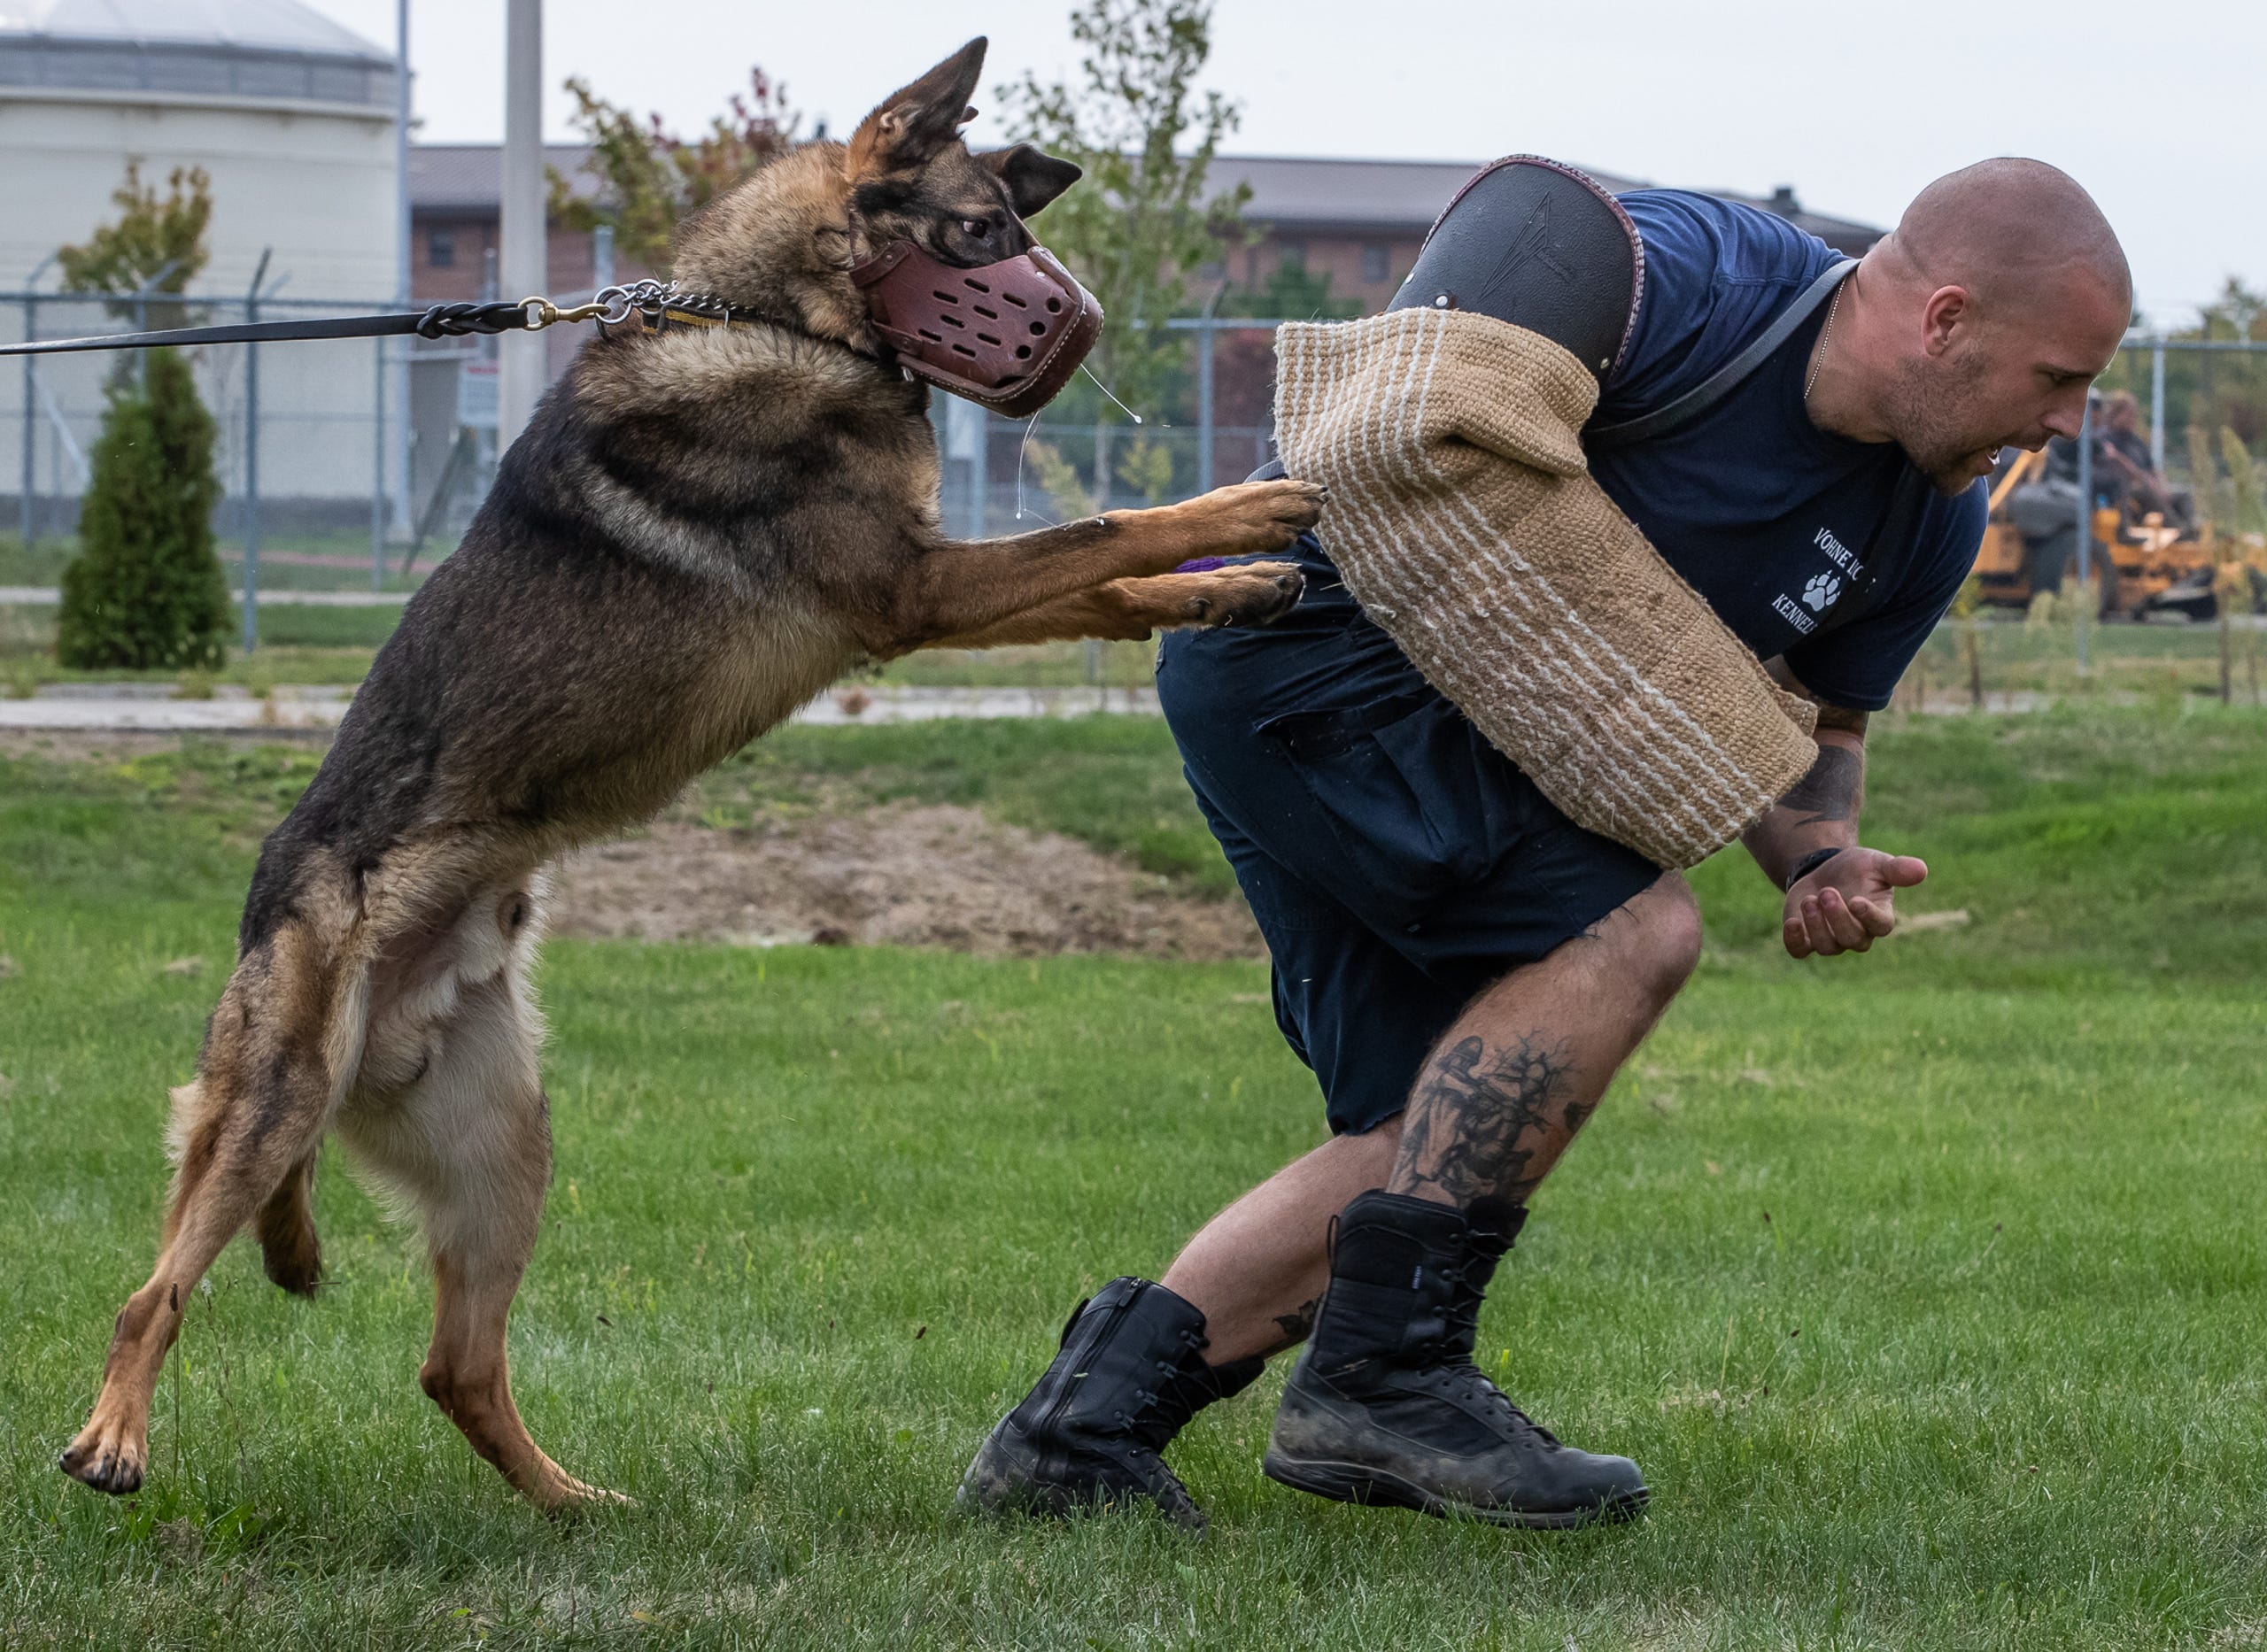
column 1007, row 335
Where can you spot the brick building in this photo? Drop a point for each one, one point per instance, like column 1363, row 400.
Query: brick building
column 1359, row 221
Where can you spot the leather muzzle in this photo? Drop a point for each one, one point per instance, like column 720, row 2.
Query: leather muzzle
column 1006, row 335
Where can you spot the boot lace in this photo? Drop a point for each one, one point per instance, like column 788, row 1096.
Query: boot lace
column 1456, row 1349
column 1160, row 1411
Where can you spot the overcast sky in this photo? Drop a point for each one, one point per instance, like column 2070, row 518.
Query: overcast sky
column 2156, row 109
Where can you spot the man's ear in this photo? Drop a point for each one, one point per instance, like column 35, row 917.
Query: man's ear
column 1032, row 177
column 909, row 126
column 1947, row 310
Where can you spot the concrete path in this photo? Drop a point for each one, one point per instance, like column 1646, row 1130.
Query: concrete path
column 150, row 706
column 98, row 707
column 48, row 595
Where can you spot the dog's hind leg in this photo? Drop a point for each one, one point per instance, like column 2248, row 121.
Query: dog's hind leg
column 469, row 1143
column 289, row 1249
column 255, row 1116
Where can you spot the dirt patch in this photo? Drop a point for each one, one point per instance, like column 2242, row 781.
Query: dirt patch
column 906, row 875
column 901, row 876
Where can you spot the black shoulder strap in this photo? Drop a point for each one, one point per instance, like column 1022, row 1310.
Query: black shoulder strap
column 1898, row 525
column 1727, row 378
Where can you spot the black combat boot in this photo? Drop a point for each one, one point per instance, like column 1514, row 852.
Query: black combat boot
column 1385, row 1405
column 1130, row 1375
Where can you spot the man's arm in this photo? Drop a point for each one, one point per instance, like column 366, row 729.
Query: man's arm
column 1841, row 895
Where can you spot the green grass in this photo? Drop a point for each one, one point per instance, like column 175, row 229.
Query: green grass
column 1047, row 665
column 299, row 644
column 41, row 563
column 1925, row 1286
column 2163, row 658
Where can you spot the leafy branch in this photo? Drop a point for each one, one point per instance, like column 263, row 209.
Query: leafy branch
column 650, row 178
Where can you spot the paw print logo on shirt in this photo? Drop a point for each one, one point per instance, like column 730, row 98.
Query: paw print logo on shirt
column 1821, row 591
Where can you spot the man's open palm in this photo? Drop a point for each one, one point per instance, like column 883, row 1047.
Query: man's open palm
column 1847, row 903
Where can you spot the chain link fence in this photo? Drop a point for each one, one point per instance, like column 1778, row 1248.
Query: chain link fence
column 356, row 465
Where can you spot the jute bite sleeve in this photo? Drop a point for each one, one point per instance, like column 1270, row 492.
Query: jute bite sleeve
column 1464, row 520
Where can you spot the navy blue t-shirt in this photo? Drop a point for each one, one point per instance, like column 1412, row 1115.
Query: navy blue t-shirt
column 1768, row 517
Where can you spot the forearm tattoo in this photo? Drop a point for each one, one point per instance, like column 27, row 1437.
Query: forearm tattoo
column 1482, row 1116
column 1834, row 789
column 1847, row 719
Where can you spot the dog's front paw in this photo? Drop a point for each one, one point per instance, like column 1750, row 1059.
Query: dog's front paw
column 1250, row 593
column 1251, row 518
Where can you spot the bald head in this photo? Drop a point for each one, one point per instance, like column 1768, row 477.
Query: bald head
column 2009, row 231
column 1977, row 323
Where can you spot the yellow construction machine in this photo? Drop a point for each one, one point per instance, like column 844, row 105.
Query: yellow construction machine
column 2139, row 567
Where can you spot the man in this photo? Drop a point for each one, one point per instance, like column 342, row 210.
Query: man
column 1463, row 967
column 2122, row 459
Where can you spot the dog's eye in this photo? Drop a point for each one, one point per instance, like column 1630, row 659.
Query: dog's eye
column 976, row 227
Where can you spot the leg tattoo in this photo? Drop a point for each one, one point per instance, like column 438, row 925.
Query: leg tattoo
column 1296, row 1326
column 1481, row 1117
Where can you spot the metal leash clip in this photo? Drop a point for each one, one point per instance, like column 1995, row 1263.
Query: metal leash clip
column 541, row 312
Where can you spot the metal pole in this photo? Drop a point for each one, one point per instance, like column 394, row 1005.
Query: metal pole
column 142, row 317
column 983, row 469
column 251, row 462
column 601, row 257
column 964, row 453
column 1204, row 406
column 402, row 508
column 521, row 368
column 2085, row 531
column 1207, row 325
column 31, row 398
column 378, row 473
column 2157, row 405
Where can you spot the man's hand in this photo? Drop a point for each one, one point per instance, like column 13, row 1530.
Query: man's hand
column 1847, row 903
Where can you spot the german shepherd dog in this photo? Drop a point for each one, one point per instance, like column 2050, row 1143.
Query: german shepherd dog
column 700, row 529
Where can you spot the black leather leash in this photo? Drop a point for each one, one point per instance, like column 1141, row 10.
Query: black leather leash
column 443, row 321
column 658, row 301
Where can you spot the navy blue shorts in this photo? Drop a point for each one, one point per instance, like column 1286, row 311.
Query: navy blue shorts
column 1397, row 863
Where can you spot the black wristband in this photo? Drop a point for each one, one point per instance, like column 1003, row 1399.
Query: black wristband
column 1808, row 864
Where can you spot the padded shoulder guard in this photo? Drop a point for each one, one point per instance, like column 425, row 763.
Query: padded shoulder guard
column 1536, row 243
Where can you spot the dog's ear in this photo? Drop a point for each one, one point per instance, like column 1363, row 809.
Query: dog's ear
column 1034, row 177
column 909, row 126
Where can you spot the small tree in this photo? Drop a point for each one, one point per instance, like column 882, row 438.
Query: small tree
column 2245, row 519
column 1292, row 293
column 145, row 591
column 650, row 178
column 156, row 245
column 1140, row 223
